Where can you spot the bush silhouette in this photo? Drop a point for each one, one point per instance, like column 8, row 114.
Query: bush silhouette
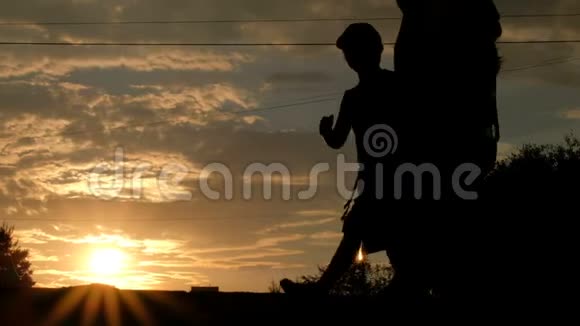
column 363, row 279
column 537, row 172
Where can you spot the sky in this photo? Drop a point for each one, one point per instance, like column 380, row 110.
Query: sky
column 106, row 152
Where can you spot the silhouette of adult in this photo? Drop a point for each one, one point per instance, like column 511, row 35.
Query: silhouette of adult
column 446, row 56
column 447, row 62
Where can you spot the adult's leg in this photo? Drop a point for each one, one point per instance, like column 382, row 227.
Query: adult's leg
column 408, row 250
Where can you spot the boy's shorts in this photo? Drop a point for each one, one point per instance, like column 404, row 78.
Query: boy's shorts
column 368, row 220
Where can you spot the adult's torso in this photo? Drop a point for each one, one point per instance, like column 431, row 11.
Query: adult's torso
column 445, row 57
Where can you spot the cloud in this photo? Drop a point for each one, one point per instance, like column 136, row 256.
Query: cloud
column 319, row 213
column 62, row 165
column 153, row 247
column 247, row 258
column 58, row 64
column 150, row 262
column 120, row 240
column 296, row 225
column 299, row 77
column 130, row 279
column 268, row 242
column 54, row 156
column 326, row 236
column 573, row 114
column 31, row 237
column 36, row 256
column 204, row 99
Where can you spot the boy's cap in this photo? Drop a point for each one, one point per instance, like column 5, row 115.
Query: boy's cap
column 359, row 35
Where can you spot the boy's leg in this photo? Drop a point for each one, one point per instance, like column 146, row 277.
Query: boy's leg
column 340, row 263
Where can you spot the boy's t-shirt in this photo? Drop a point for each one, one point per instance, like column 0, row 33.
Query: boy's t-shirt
column 378, row 124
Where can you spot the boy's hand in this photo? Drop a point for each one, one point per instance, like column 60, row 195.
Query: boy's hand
column 326, row 124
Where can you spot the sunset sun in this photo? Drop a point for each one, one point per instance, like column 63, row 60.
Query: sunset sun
column 107, row 262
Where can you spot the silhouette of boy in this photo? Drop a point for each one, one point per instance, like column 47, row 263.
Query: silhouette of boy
column 370, row 104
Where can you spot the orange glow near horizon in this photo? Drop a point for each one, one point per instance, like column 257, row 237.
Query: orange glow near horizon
column 100, row 301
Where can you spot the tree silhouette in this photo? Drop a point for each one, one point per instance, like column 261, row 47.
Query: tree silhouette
column 537, row 172
column 15, row 269
column 532, row 198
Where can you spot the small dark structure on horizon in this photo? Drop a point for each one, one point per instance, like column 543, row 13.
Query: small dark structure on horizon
column 204, row 289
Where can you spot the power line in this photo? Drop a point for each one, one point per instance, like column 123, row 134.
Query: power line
column 556, row 15
column 185, row 44
column 257, row 21
column 540, row 42
column 201, row 21
column 546, row 63
column 154, row 220
column 179, row 44
column 284, row 106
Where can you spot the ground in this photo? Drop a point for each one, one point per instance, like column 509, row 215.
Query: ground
column 103, row 305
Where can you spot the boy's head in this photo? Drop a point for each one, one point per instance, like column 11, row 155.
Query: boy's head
column 407, row 5
column 362, row 46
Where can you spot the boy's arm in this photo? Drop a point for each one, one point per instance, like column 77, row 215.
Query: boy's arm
column 336, row 137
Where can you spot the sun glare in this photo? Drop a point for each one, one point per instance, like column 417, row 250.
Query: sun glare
column 360, row 257
column 107, row 262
